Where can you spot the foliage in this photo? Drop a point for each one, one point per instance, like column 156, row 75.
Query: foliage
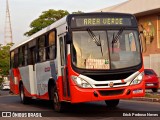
column 149, row 95
column 4, row 59
column 45, row 19
column 78, row 12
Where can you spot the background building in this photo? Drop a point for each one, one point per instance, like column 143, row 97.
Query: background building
column 147, row 13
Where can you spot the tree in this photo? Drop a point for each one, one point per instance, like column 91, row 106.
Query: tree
column 78, row 12
column 45, row 19
column 4, row 59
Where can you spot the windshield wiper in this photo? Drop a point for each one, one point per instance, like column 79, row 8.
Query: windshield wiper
column 93, row 36
column 116, row 38
column 95, row 39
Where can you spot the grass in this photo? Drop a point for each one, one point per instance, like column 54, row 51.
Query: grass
column 148, row 95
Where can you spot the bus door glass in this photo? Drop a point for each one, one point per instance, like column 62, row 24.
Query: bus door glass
column 64, row 70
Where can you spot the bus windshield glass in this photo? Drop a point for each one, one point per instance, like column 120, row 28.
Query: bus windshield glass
column 105, row 49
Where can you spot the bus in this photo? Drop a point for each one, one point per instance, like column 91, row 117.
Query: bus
column 80, row 58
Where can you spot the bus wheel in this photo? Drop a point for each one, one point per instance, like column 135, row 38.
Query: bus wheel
column 155, row 90
column 24, row 99
column 112, row 103
column 58, row 105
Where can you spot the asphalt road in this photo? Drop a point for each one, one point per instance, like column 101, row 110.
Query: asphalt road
column 4, row 92
column 84, row 111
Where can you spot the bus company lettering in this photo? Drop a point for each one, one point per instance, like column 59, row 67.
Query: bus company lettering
column 47, row 69
column 103, row 21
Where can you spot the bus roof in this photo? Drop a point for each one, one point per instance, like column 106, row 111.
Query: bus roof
column 44, row 30
column 60, row 22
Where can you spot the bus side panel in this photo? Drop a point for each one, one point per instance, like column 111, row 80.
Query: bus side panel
column 27, row 77
column 43, row 74
column 14, row 81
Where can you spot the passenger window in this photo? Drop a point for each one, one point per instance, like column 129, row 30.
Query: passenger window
column 41, row 49
column 52, row 45
column 32, row 55
column 16, row 58
column 23, row 55
column 25, row 51
column 20, row 56
column 32, row 52
column 12, row 59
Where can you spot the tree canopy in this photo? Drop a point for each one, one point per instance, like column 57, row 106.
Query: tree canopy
column 4, row 59
column 45, row 19
column 78, row 12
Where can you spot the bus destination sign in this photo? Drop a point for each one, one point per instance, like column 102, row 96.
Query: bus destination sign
column 108, row 21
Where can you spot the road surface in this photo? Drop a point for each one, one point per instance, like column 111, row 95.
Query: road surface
column 83, row 111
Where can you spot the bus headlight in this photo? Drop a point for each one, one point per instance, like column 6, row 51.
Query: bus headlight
column 138, row 79
column 80, row 82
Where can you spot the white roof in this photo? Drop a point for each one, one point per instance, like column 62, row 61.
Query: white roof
column 137, row 7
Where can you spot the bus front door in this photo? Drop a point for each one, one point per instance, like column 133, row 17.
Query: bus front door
column 64, row 70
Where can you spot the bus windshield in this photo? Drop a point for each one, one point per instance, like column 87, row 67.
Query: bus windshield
column 105, row 49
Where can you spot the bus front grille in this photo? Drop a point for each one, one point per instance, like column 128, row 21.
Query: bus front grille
column 111, row 92
column 101, row 85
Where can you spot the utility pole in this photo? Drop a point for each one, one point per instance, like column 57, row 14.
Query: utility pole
column 8, row 29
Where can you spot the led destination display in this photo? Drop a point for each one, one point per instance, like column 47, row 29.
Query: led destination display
column 101, row 21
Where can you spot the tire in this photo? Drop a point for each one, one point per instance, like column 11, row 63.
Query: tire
column 24, row 99
column 112, row 103
column 155, row 90
column 54, row 98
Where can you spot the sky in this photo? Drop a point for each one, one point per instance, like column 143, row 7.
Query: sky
column 23, row 12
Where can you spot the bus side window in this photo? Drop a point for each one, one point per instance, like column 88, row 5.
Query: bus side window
column 41, row 49
column 12, row 59
column 15, row 58
column 23, row 55
column 32, row 52
column 32, row 55
column 20, row 56
column 52, row 45
column 25, row 48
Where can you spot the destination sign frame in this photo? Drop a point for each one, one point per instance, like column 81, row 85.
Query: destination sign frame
column 92, row 21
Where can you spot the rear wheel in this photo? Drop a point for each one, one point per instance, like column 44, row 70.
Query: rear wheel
column 57, row 104
column 24, row 99
column 154, row 89
column 112, row 103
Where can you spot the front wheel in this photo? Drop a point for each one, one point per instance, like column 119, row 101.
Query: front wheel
column 57, row 104
column 112, row 103
column 24, row 99
column 155, row 90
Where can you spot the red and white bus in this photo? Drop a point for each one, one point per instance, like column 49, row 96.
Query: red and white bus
column 80, row 58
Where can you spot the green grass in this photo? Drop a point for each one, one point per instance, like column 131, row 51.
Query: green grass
column 152, row 95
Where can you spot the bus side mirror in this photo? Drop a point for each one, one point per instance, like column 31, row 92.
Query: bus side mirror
column 68, row 39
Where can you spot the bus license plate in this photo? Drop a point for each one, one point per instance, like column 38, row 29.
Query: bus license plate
column 150, row 84
column 137, row 91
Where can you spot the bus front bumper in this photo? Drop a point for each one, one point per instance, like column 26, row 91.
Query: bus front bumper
column 98, row 94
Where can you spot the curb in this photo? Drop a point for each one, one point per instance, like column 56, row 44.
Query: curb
column 146, row 99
